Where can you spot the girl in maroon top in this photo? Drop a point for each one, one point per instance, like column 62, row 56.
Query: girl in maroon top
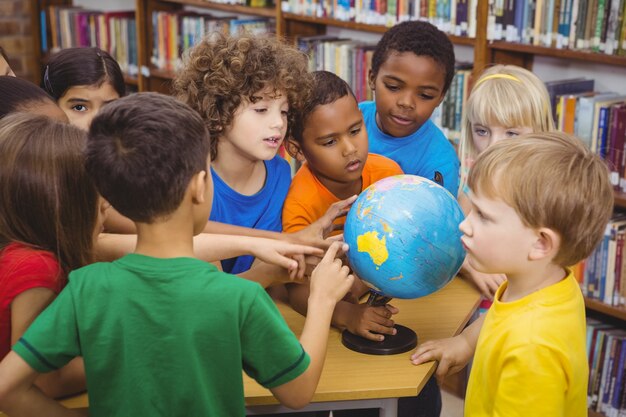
column 50, row 214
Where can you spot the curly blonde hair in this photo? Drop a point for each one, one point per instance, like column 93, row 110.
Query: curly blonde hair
column 222, row 72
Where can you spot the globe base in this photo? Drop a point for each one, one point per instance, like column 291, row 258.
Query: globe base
column 404, row 340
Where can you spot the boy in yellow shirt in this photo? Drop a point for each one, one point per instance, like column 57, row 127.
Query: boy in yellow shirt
column 539, row 203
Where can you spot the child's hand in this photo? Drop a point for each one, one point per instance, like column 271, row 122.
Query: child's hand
column 317, row 232
column 284, row 254
column 453, row 354
column 487, row 284
column 331, row 279
column 371, row 322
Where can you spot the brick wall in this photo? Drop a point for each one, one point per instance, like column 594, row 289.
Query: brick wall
column 16, row 38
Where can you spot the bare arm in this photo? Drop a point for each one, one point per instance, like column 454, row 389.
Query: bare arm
column 20, row 397
column 329, row 283
column 211, row 248
column 360, row 319
column 453, row 353
column 24, row 309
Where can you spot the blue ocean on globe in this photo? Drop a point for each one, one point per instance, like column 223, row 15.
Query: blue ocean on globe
column 404, row 236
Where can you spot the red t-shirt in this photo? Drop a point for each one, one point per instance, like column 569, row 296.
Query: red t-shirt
column 23, row 268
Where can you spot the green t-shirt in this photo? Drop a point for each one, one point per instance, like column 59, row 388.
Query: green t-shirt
column 164, row 337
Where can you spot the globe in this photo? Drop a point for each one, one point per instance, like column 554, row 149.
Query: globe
column 404, row 236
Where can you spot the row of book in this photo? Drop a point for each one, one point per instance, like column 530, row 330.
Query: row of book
column 590, row 25
column 456, row 17
column 114, row 32
column 248, row 3
column 175, row 32
column 598, row 118
column 606, row 349
column 351, row 60
column 603, row 273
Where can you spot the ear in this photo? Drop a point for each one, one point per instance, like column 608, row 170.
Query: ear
column 547, row 245
column 198, row 186
column 294, row 149
column 372, row 80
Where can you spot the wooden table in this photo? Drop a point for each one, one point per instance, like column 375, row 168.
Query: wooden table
column 355, row 380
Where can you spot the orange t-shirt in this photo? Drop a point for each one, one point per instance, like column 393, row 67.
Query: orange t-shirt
column 308, row 200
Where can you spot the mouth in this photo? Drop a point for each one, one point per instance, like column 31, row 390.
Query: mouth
column 353, row 165
column 401, row 120
column 273, row 141
column 464, row 245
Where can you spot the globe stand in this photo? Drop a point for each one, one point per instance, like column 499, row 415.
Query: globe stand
column 404, row 340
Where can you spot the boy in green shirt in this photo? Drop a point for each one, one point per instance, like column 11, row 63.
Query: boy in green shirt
column 162, row 333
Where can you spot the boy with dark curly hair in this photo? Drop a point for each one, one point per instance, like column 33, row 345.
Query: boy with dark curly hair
column 163, row 333
column 412, row 69
column 246, row 89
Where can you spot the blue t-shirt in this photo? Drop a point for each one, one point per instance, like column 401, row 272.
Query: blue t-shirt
column 423, row 153
column 262, row 210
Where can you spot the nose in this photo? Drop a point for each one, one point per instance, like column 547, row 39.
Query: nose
column 348, row 147
column 278, row 120
column 406, row 100
column 465, row 227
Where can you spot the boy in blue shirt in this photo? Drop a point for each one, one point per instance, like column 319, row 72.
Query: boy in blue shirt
column 162, row 333
column 412, row 69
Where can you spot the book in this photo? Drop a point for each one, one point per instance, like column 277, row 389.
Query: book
column 568, row 86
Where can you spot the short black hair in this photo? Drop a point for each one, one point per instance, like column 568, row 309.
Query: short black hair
column 18, row 94
column 327, row 88
column 421, row 38
column 143, row 150
column 81, row 66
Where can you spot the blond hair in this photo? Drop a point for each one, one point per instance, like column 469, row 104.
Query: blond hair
column 506, row 95
column 552, row 180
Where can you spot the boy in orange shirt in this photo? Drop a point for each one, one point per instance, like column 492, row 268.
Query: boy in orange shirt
column 329, row 138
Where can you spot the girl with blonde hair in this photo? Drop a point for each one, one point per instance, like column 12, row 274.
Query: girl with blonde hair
column 506, row 101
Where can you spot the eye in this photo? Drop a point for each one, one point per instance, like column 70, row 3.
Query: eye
column 511, row 133
column 391, row 87
column 480, row 131
column 79, row 107
column 426, row 96
column 285, row 113
column 261, row 110
column 329, row 142
column 355, row 131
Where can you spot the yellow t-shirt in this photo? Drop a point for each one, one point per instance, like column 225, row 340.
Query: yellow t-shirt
column 530, row 358
column 308, row 199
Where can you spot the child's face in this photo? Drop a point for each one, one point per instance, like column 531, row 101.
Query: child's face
column 334, row 142
column 5, row 69
column 81, row 103
column 486, row 135
column 259, row 127
column 408, row 89
column 494, row 236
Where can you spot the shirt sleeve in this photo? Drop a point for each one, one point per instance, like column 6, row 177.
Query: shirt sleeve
column 295, row 216
column 532, row 382
column 32, row 270
column 272, row 354
column 52, row 339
